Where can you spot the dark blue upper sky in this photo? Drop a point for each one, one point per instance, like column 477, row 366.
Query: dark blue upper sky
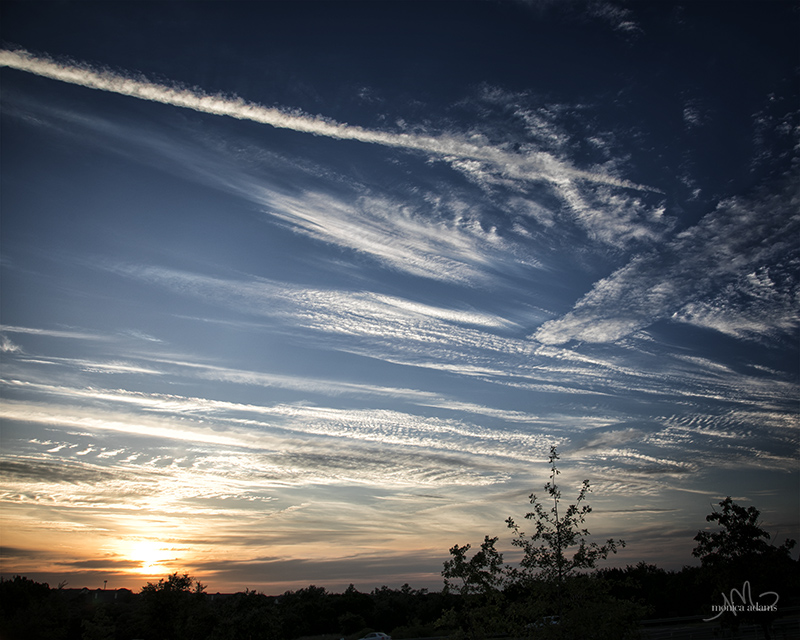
column 303, row 292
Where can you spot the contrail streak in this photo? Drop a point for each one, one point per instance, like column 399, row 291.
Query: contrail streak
column 541, row 166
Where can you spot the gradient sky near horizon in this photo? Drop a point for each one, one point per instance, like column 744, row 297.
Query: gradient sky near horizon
column 302, row 293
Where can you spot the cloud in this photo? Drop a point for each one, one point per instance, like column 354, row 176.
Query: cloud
column 296, row 383
column 617, row 219
column 98, row 420
column 462, row 342
column 6, row 346
column 54, row 333
column 440, row 232
column 115, row 366
column 27, row 469
column 109, row 563
column 761, row 304
column 453, row 248
column 619, row 17
column 693, row 115
column 261, row 427
column 610, row 439
column 396, row 330
column 555, row 133
column 631, row 461
column 281, row 443
column 742, row 234
column 636, row 510
column 141, row 335
column 387, row 323
column 443, row 230
column 447, row 146
column 18, row 553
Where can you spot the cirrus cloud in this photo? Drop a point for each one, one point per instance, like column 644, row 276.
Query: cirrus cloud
column 740, row 235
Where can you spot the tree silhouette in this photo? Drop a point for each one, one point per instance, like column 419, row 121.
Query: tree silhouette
column 551, row 593
column 479, row 581
column 481, row 574
column 741, row 537
column 247, row 615
column 740, row 565
column 556, row 557
column 29, row 610
column 547, row 550
column 172, row 608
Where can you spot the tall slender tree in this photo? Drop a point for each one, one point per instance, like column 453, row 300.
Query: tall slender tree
column 548, row 552
column 560, row 594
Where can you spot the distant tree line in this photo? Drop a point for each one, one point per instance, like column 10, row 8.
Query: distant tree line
column 177, row 609
column 554, row 592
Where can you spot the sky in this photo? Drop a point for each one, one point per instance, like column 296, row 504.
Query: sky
column 303, row 293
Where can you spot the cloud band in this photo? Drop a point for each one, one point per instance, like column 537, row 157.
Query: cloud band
column 538, row 166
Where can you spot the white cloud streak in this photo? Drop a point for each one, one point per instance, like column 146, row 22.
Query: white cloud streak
column 246, row 425
column 53, row 333
column 292, row 444
column 399, row 235
column 474, row 345
column 538, row 165
column 378, row 318
column 756, row 306
column 740, row 236
column 441, row 232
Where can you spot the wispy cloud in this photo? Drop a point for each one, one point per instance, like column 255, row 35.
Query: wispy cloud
column 42, row 470
column 55, row 333
column 439, row 232
column 445, row 146
column 261, row 427
column 396, row 323
column 618, row 16
column 554, row 132
column 476, row 345
column 759, row 305
column 443, row 230
column 6, row 346
column 455, row 248
column 740, row 236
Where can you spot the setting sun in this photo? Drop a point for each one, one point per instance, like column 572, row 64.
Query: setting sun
column 152, row 556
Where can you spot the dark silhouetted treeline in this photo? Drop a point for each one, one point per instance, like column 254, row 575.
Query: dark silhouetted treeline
column 31, row 610
column 177, row 608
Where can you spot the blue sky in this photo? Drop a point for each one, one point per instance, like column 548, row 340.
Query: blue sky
column 303, row 292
